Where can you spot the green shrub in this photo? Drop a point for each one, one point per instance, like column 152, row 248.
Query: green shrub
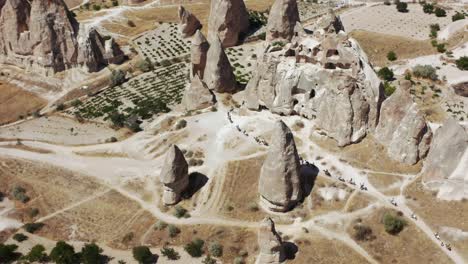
column 76, row 103
column 434, row 42
column 441, row 47
column 181, row 212
column 216, row 249
column 425, row 71
column 8, row 253
column 64, row 253
column 393, row 224
column 462, row 63
column 170, row 253
column 388, row 89
column 32, row 227
column 160, row 225
column 435, row 27
column 36, row 254
column 166, row 63
column 143, row 255
column 96, row 7
column 428, row 8
column 402, row 7
column 20, row 237
column 262, row 36
column 209, row 260
column 439, row 12
column 115, row 3
column 117, row 77
column 195, row 248
column 385, row 74
column 91, row 254
column 173, row 230
column 60, row 107
column 239, row 260
column 408, row 76
column 458, row 16
column 145, row 65
column 391, row 56
column 363, row 232
column 19, row 193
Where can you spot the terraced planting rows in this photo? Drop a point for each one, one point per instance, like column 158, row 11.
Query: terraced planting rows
column 163, row 44
column 142, row 96
column 243, row 59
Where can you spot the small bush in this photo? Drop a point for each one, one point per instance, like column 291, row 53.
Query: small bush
column 209, row 260
column 441, row 47
column 428, row 8
column 195, row 248
column 76, row 103
column 385, row 74
column 391, row 56
column 145, row 65
column 130, row 23
column 435, row 27
column 117, row 77
column 115, row 3
column 393, row 224
column 32, row 227
column 96, row 7
column 160, row 225
column 425, row 71
column 173, row 230
column 19, row 193
column 402, row 7
column 462, row 63
column 8, row 253
column 64, row 253
column 181, row 124
column 408, row 76
column 458, row 16
column 91, row 254
column 239, row 260
column 37, row 254
column 143, row 255
column 363, row 232
column 181, row 212
column 439, row 12
column 216, row 249
column 60, row 107
column 20, row 237
column 170, row 253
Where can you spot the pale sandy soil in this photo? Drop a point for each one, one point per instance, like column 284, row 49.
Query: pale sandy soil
column 60, row 130
column 387, row 20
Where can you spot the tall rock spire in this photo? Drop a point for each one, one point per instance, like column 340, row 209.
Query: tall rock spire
column 219, row 74
column 282, row 19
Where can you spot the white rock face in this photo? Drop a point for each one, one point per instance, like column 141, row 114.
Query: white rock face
column 197, row 95
column 446, row 166
column 270, row 244
column 174, row 176
column 228, row 21
column 402, row 128
column 282, row 19
column 189, row 23
column 219, row 75
column 324, row 76
column 280, row 184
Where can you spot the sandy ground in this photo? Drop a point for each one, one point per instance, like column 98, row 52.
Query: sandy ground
column 60, row 130
column 387, row 20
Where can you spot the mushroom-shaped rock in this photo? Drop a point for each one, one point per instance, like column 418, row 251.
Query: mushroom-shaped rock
column 270, row 244
column 228, row 20
column 282, row 20
column 189, row 23
column 446, row 166
column 174, row 175
column 402, row 127
column 280, row 185
column 219, row 75
column 197, row 95
column 199, row 52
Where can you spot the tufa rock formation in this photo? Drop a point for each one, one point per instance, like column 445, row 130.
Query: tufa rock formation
column 197, row 95
column 199, row 51
column 189, row 23
column 270, row 244
column 445, row 168
column 174, row 176
column 330, row 23
column 402, row 128
column 282, row 19
column 322, row 76
column 280, row 185
column 219, row 75
column 228, row 21
column 42, row 36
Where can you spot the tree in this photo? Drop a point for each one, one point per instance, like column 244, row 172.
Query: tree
column 36, row 254
column 63, row 253
column 145, row 65
column 428, row 8
column 170, row 253
column 76, row 103
column 391, row 56
column 441, row 47
column 439, row 12
column 91, row 254
column 393, row 224
column 216, row 249
column 402, row 7
column 173, row 230
column 33, row 227
column 195, row 248
column 8, row 253
column 425, row 71
column 143, row 255
column 117, row 77
column 385, row 74
column 458, row 16
column 363, row 232
column 20, row 237
column 462, row 63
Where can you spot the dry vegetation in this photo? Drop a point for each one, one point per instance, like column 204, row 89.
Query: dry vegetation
column 16, row 102
column 411, row 245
